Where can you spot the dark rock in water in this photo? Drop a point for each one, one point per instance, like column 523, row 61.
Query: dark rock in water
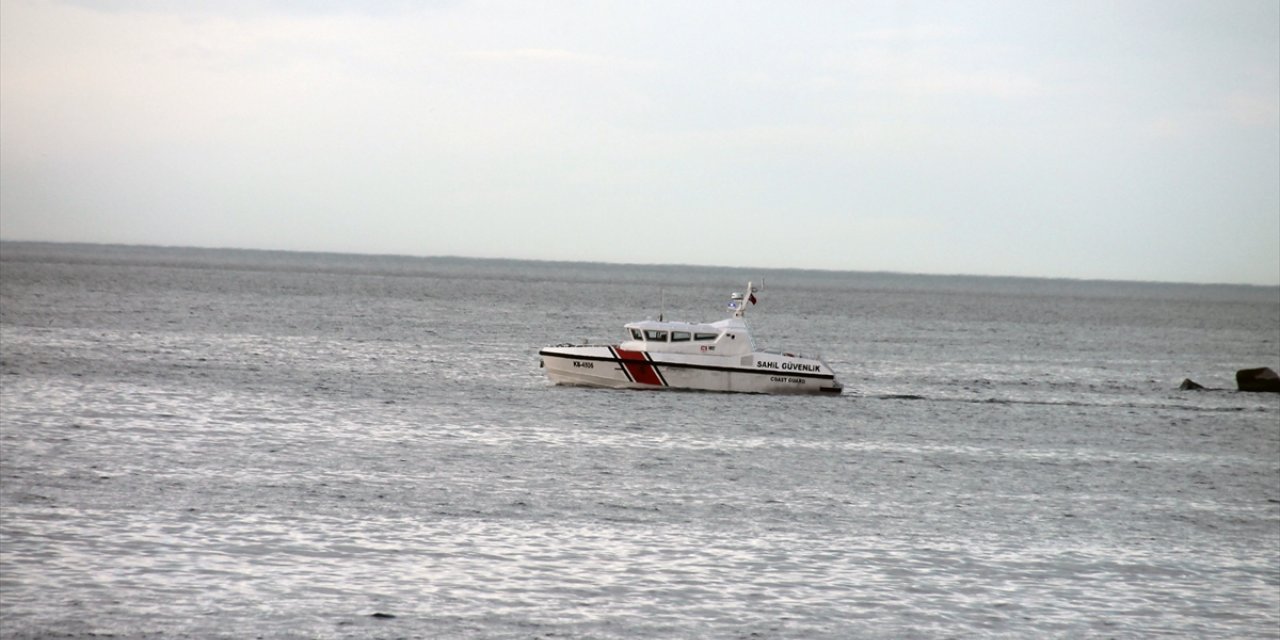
column 1190, row 385
column 1263, row 379
column 385, row 616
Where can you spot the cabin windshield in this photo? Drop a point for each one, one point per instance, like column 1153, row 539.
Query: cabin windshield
column 653, row 335
column 636, row 335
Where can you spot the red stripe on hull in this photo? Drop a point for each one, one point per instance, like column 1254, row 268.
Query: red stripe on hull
column 638, row 366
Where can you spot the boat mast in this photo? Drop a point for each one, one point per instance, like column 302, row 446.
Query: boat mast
column 738, row 302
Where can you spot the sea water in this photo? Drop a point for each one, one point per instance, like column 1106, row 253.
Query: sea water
column 206, row 444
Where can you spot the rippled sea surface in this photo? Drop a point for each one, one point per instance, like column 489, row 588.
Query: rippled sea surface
column 201, row 444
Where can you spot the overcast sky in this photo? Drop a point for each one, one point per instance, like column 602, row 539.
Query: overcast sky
column 1116, row 140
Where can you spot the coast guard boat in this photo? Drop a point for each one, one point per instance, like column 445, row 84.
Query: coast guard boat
column 716, row 356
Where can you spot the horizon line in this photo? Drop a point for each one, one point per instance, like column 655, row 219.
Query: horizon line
column 1275, row 285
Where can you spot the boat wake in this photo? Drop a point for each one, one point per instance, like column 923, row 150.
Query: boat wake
column 1063, row 403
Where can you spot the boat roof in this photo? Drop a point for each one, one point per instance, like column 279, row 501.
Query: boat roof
column 737, row 305
column 703, row 327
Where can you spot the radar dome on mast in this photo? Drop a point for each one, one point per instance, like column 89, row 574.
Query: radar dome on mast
column 737, row 301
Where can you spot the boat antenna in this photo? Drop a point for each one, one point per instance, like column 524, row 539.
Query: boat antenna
column 662, row 303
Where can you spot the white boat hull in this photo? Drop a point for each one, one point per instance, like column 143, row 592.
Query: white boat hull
column 610, row 366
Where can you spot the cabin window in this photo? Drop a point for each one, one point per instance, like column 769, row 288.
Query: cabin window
column 636, row 335
column 705, row 336
column 655, row 335
column 680, row 336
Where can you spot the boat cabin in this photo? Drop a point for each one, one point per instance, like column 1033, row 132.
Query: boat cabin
column 727, row 337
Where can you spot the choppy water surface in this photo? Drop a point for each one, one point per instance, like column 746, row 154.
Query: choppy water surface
column 239, row 444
